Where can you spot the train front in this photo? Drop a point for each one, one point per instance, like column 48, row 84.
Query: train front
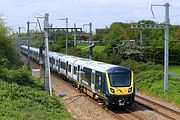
column 121, row 87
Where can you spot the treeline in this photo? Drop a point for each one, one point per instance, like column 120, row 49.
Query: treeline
column 123, row 42
column 153, row 42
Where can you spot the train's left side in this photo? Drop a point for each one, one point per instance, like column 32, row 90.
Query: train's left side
column 106, row 83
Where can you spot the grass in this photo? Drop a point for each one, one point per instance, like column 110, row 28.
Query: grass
column 174, row 69
column 156, row 88
column 85, row 47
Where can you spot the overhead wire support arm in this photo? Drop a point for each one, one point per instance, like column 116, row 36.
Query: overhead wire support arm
column 90, row 32
column 152, row 9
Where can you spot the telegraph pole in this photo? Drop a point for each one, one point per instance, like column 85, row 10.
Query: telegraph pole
column 28, row 32
column 74, row 34
column 47, row 66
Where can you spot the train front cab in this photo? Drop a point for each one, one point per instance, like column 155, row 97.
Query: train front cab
column 121, row 89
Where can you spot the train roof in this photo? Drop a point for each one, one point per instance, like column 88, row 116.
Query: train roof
column 99, row 66
column 91, row 64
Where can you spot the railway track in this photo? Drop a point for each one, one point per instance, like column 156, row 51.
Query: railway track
column 158, row 108
column 128, row 113
column 120, row 114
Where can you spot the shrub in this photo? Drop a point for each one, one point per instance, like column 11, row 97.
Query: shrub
column 22, row 102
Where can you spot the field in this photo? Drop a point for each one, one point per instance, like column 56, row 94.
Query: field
column 97, row 48
column 174, row 69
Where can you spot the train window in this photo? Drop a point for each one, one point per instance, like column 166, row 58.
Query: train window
column 87, row 76
column 50, row 59
column 98, row 80
column 69, row 68
column 75, row 69
column 53, row 61
column 122, row 79
column 57, row 62
column 63, row 65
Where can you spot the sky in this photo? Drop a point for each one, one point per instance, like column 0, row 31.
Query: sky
column 101, row 13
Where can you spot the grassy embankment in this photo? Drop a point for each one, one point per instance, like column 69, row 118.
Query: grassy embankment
column 23, row 98
column 174, row 69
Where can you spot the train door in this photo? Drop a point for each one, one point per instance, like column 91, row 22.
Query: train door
column 59, row 65
column 78, row 72
column 66, row 68
column 100, row 82
column 93, row 80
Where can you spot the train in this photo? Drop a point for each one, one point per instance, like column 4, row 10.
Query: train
column 109, row 84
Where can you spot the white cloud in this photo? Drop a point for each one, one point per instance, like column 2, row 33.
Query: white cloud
column 100, row 12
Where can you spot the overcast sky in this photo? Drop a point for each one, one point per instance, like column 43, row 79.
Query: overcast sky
column 100, row 12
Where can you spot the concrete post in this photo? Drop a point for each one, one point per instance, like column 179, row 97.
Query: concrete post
column 74, row 34
column 28, row 32
column 48, row 86
column 166, row 46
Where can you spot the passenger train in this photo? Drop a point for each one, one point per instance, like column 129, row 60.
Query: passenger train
column 107, row 83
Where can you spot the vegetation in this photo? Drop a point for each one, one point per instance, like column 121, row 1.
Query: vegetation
column 21, row 96
column 175, row 69
column 97, row 48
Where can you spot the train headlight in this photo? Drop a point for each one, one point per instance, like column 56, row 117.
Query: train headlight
column 112, row 90
column 130, row 89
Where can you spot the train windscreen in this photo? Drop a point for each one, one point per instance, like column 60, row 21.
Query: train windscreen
column 120, row 79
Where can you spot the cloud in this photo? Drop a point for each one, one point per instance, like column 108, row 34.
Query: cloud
column 100, row 12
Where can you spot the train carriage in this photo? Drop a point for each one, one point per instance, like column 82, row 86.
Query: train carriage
column 110, row 84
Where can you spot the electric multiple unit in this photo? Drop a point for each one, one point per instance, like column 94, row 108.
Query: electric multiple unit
column 110, row 84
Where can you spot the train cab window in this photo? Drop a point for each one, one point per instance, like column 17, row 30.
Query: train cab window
column 75, row 70
column 69, row 67
column 120, row 79
column 63, row 65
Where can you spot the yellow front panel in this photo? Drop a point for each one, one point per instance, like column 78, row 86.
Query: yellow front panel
column 120, row 90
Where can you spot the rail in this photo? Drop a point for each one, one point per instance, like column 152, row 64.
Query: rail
column 157, row 107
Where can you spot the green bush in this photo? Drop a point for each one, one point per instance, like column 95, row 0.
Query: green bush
column 150, row 76
column 22, row 102
column 138, row 67
column 20, row 76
